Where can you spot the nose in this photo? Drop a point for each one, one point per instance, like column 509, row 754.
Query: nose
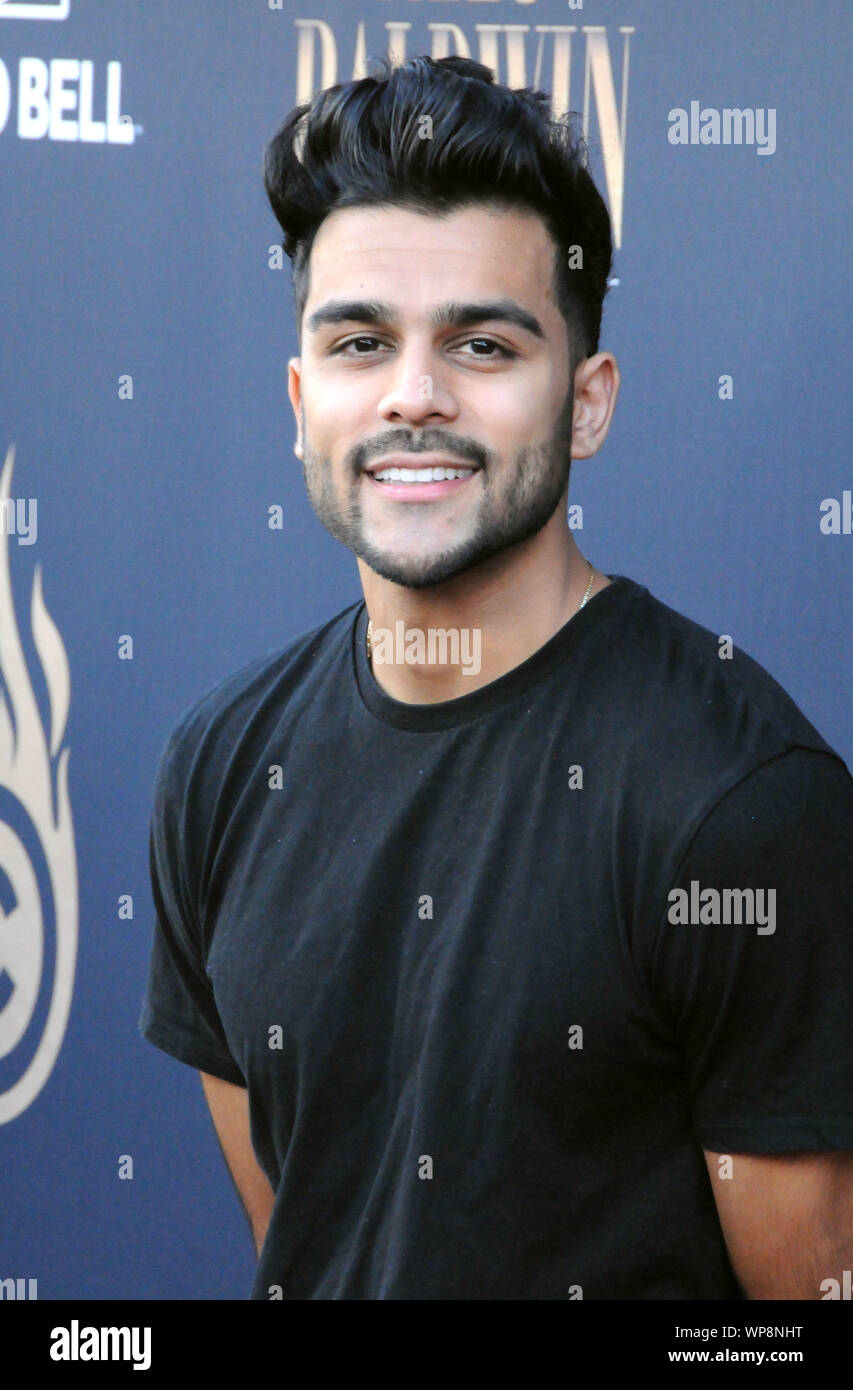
column 418, row 390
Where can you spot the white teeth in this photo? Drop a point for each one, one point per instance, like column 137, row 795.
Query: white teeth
column 420, row 475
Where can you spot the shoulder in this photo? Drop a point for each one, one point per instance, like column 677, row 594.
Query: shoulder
column 696, row 693
column 682, row 719
column 790, row 820
column 242, row 711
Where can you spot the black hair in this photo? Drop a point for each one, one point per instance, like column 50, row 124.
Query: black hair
column 362, row 143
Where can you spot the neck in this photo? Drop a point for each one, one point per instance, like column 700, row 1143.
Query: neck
column 494, row 616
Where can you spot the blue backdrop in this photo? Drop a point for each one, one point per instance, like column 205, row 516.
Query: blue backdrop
column 136, row 253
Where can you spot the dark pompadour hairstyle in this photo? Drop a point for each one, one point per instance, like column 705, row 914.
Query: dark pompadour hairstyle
column 362, row 143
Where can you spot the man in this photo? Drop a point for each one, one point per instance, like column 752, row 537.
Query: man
column 523, row 973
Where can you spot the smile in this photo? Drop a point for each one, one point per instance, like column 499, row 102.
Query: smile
column 420, row 475
column 419, row 484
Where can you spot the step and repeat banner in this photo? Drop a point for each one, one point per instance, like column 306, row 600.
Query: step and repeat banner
column 155, row 533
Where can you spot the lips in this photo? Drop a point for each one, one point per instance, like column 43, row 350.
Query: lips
column 410, row 486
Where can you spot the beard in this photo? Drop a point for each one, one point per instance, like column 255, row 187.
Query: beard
column 512, row 508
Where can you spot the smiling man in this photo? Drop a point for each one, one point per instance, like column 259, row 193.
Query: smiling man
column 414, row 922
column 473, row 384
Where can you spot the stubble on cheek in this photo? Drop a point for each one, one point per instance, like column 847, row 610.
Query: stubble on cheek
column 334, row 503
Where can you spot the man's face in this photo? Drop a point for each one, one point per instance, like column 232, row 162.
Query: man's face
column 395, row 375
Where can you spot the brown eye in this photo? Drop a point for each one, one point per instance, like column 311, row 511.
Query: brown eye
column 362, row 338
column 489, row 342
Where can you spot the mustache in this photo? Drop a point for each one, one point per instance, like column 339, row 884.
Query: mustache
column 429, row 442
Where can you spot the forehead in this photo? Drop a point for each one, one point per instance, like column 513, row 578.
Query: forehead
column 419, row 258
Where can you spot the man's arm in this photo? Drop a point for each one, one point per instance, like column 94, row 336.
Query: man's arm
column 229, row 1107
column 787, row 1220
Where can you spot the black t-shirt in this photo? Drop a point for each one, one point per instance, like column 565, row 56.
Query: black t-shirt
column 440, row 946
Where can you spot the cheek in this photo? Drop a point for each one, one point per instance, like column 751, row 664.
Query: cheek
column 334, row 407
column 509, row 417
column 333, row 428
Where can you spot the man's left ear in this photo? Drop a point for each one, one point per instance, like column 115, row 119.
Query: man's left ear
column 597, row 383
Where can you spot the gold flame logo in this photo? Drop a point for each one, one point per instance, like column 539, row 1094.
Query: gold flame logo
column 34, row 9
column 46, row 835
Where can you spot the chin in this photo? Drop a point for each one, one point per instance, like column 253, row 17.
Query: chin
column 425, row 572
column 406, row 576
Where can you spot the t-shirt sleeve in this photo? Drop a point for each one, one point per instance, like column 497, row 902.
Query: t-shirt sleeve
column 179, row 1013
column 763, row 1010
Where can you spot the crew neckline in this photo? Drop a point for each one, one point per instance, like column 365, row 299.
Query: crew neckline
column 446, row 714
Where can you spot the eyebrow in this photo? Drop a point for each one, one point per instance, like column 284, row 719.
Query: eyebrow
column 451, row 315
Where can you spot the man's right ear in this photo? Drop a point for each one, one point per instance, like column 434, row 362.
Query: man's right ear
column 294, row 367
